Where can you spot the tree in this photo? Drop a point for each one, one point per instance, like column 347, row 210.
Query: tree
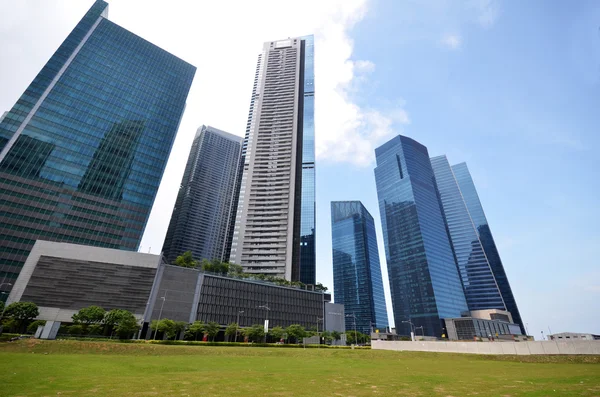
column 320, row 287
column 89, row 315
column 311, row 331
column 277, row 333
column 236, row 270
column 180, row 326
column 231, row 329
column 32, row 328
column 255, row 333
column 327, row 337
column 215, row 266
column 186, row 260
column 2, row 306
column 94, row 329
column 296, row 331
column 22, row 313
column 360, row 337
column 212, row 329
column 194, row 330
column 127, row 326
column 166, row 326
column 336, row 335
column 121, row 321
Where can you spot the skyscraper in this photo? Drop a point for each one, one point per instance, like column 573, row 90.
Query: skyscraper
column 357, row 282
column 424, row 280
column 83, row 150
column 203, row 208
column 274, row 230
column 481, row 290
column 471, row 198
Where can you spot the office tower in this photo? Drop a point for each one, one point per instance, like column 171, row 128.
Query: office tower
column 479, row 283
column 357, row 282
column 471, row 198
column 274, row 230
column 203, row 208
column 424, row 280
column 83, row 150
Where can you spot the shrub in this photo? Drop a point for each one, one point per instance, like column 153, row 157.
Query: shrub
column 75, row 329
column 32, row 328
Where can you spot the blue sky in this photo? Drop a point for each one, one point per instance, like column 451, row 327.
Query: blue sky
column 510, row 87
column 515, row 95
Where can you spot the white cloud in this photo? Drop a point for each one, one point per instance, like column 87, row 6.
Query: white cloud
column 486, row 11
column 452, row 41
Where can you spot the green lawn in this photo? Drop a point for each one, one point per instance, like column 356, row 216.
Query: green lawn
column 69, row 368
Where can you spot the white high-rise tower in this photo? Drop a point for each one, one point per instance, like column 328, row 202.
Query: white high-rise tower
column 274, row 227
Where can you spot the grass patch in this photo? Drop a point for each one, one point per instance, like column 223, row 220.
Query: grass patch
column 80, row 368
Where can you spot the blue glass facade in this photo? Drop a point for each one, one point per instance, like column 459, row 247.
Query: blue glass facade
column 200, row 220
column 424, row 280
column 307, row 217
column 481, row 290
column 471, row 198
column 357, row 282
column 83, row 150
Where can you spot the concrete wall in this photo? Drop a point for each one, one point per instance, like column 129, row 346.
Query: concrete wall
column 518, row 348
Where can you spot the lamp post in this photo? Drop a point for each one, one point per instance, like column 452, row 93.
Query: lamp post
column 353, row 315
column 164, row 298
column 422, row 330
column 237, row 327
column 319, row 319
column 412, row 329
column 266, row 319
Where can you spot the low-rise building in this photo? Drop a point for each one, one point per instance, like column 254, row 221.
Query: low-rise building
column 62, row 278
column 482, row 324
column 570, row 336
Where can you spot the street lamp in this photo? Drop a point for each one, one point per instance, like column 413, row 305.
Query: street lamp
column 319, row 319
column 237, row 324
column 164, row 298
column 266, row 318
column 412, row 329
column 353, row 315
column 422, row 330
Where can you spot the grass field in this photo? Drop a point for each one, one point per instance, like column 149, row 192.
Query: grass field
column 69, row 368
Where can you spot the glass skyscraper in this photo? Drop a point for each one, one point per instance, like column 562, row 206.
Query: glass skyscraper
column 200, row 219
column 274, row 227
column 83, row 150
column 479, row 283
column 357, row 282
column 471, row 198
column 424, row 280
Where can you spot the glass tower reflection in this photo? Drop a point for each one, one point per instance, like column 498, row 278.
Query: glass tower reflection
column 83, row 150
column 471, row 198
column 356, row 268
column 478, row 280
column 424, row 280
column 307, row 217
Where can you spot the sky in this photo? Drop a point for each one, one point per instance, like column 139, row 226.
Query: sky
column 510, row 87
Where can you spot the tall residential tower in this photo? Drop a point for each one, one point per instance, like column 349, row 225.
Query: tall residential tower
column 83, row 150
column 200, row 219
column 274, row 229
column 424, row 280
column 357, row 282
